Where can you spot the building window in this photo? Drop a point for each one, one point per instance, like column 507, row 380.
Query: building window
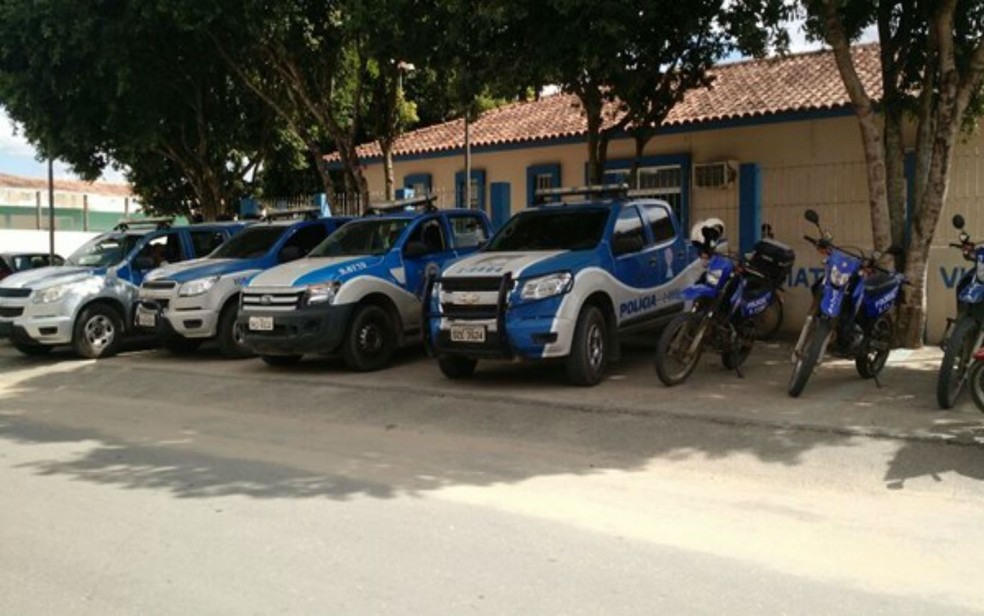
column 662, row 182
column 544, row 181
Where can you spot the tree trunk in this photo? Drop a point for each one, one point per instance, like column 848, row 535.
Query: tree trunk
column 592, row 104
column 386, row 145
column 895, row 176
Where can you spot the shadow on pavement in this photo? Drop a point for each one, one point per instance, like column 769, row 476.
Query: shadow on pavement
column 197, row 434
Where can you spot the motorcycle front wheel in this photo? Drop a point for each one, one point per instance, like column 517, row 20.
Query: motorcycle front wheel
column 807, row 360
column 976, row 383
column 679, row 348
column 768, row 324
column 956, row 361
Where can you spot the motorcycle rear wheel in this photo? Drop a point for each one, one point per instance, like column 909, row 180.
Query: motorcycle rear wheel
column 807, row 361
column 674, row 359
column 875, row 349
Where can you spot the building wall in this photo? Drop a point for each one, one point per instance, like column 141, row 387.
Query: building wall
column 27, row 209
column 815, row 163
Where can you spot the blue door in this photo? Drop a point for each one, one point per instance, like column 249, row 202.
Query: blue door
column 501, row 204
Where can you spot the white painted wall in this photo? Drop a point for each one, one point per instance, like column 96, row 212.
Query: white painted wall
column 66, row 242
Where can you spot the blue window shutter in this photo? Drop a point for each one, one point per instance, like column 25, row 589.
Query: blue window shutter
column 531, row 174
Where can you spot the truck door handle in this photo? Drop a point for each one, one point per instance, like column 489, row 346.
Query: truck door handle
column 653, row 262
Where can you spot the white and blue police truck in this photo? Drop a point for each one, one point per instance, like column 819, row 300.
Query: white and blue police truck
column 88, row 302
column 359, row 292
column 563, row 280
column 190, row 302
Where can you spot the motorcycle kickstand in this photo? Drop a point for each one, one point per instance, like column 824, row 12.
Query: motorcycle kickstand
column 877, row 382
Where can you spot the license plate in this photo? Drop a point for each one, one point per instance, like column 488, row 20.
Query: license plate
column 261, row 324
column 468, row 333
column 146, row 319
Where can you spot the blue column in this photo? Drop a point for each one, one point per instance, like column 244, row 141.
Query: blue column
column 749, row 206
column 501, row 204
column 248, row 208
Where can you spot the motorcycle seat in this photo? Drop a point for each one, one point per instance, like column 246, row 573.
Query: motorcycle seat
column 879, row 282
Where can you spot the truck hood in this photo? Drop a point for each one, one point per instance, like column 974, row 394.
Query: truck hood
column 485, row 264
column 44, row 277
column 203, row 268
column 313, row 270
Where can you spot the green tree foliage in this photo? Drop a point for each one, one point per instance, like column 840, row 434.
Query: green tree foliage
column 120, row 83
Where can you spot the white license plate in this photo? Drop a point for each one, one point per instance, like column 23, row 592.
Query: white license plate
column 468, row 333
column 146, row 319
column 261, row 324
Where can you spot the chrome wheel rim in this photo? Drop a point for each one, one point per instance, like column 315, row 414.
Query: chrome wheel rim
column 99, row 332
column 596, row 346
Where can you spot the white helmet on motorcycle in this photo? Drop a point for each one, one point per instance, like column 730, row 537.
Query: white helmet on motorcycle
column 697, row 231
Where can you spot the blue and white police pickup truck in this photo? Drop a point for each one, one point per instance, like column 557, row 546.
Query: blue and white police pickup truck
column 88, row 301
column 562, row 281
column 359, row 292
column 187, row 303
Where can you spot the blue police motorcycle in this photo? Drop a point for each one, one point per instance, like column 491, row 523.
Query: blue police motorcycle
column 965, row 333
column 850, row 312
column 728, row 301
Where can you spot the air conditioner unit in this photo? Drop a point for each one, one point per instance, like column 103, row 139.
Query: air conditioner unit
column 715, row 175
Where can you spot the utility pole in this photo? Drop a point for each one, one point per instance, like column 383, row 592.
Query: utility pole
column 466, row 197
column 51, row 211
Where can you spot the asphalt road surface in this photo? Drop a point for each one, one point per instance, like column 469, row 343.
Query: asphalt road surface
column 146, row 484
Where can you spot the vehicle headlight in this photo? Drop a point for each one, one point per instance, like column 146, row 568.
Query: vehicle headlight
column 713, row 276
column 546, row 286
column 197, row 287
column 837, row 277
column 321, row 293
column 52, row 294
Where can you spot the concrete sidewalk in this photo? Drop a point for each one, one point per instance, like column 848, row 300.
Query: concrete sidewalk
column 835, row 401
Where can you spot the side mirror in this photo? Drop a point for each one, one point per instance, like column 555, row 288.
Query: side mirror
column 290, row 253
column 415, row 249
column 143, row 263
column 625, row 244
column 812, row 216
column 958, row 221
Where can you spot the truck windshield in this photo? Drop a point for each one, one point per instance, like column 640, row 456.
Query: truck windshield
column 370, row 237
column 551, row 229
column 103, row 251
column 252, row 243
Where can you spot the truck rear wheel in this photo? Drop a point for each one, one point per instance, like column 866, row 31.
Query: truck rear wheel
column 370, row 340
column 589, row 349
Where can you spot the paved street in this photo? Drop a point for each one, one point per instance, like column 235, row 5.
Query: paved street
column 147, row 484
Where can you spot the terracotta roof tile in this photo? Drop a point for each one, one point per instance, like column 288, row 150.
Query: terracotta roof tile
column 77, row 186
column 752, row 88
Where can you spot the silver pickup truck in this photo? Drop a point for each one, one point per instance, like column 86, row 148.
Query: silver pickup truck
column 87, row 302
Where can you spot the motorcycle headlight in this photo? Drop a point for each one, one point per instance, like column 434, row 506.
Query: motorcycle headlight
column 546, row 286
column 837, row 277
column 321, row 293
column 52, row 294
column 713, row 276
column 197, row 287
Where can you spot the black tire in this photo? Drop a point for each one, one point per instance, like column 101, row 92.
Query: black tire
column 803, row 367
column 732, row 359
column 877, row 346
column 97, row 333
column 229, row 334
column 370, row 340
column 768, row 324
column 675, row 357
column 957, row 356
column 31, row 350
column 976, row 384
column 589, row 348
column 281, row 361
column 179, row 345
column 457, row 367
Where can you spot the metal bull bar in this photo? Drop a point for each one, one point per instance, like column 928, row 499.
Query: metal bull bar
column 500, row 313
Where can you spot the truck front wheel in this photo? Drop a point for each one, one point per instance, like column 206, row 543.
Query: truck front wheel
column 457, row 367
column 589, row 348
column 370, row 340
column 97, row 333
